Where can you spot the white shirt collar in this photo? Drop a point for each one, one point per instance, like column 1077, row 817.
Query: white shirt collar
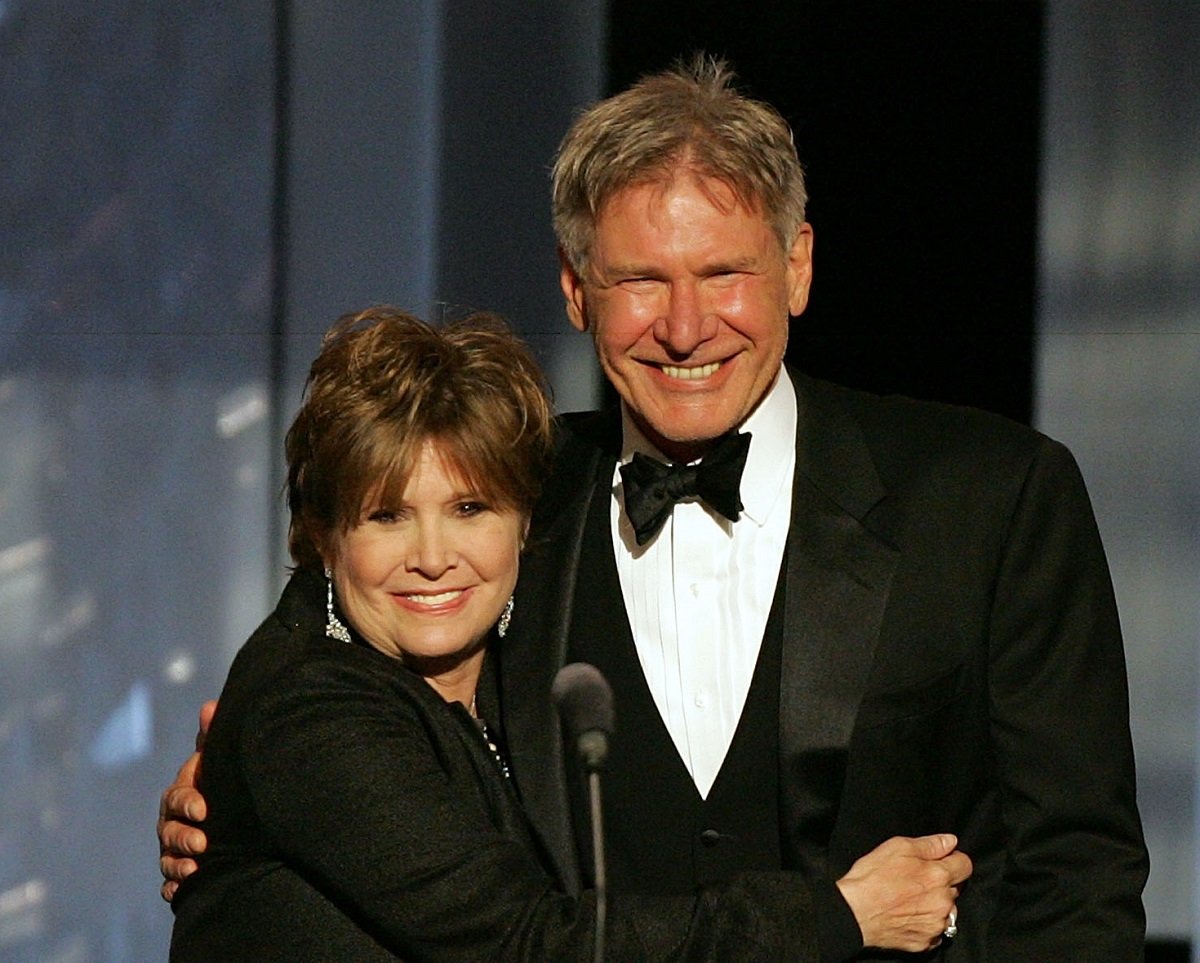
column 772, row 456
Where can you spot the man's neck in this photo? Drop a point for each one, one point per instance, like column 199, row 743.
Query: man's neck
column 686, row 451
column 677, row 452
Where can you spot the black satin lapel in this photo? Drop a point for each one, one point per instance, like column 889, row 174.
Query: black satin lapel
column 839, row 576
column 536, row 643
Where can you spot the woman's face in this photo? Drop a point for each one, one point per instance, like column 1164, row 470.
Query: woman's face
column 427, row 578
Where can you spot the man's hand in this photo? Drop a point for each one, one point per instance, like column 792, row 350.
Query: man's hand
column 902, row 891
column 180, row 808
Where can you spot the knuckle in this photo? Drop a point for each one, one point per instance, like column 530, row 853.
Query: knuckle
column 170, row 802
column 168, row 838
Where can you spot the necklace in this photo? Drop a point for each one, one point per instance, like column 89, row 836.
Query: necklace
column 490, row 740
column 491, row 744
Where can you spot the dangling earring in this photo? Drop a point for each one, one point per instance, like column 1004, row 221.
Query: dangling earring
column 333, row 625
column 505, row 618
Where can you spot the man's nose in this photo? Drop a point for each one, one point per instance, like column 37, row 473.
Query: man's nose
column 685, row 323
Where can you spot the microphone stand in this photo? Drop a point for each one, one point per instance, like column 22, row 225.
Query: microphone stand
column 584, row 701
column 598, row 864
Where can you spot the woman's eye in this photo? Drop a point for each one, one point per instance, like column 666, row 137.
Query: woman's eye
column 471, row 509
column 382, row 515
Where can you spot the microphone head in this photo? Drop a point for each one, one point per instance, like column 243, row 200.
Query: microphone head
column 584, row 700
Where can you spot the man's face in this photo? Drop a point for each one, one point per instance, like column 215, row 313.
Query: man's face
column 687, row 294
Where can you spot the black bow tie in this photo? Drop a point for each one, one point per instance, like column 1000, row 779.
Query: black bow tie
column 652, row 488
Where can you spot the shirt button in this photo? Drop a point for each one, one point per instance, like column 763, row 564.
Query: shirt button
column 701, row 700
column 695, row 589
column 709, row 838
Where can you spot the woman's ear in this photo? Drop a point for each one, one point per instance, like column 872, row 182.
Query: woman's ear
column 325, row 550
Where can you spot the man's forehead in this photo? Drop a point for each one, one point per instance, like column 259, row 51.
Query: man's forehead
column 723, row 193
column 649, row 222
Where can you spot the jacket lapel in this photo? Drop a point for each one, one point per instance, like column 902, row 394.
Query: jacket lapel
column 838, row 578
column 535, row 646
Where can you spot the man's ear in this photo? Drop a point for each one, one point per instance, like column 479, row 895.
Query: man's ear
column 799, row 270
column 572, row 289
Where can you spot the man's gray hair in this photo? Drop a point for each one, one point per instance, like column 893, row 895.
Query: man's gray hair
column 689, row 116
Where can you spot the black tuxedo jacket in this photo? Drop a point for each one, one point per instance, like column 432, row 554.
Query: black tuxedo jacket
column 952, row 662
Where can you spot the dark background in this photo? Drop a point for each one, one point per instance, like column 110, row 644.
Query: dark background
column 919, row 136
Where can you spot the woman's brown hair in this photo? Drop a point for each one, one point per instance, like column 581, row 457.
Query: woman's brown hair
column 384, row 383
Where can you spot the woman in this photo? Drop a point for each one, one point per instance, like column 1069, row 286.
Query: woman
column 359, row 809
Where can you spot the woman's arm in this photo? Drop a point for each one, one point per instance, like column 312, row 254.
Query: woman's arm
column 375, row 797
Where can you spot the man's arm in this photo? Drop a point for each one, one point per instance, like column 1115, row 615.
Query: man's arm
column 1076, row 860
column 179, row 810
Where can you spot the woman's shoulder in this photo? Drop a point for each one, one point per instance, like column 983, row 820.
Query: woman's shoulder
column 290, row 655
column 300, row 657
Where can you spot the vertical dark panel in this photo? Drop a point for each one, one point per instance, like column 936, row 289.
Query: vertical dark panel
column 510, row 86
column 362, row 120
column 918, row 125
column 280, row 236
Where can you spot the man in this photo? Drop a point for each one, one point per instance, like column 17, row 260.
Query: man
column 902, row 623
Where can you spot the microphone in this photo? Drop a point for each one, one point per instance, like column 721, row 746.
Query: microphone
column 584, row 700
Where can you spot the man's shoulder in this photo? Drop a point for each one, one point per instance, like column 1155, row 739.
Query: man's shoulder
column 586, row 443
column 893, row 422
column 583, row 441
column 911, row 444
column 598, row 430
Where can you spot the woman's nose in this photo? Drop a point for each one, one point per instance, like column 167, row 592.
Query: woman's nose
column 432, row 553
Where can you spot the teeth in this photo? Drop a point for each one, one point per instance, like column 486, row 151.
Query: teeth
column 690, row 374
column 438, row 599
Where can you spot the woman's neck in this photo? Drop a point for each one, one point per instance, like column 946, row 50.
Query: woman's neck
column 455, row 683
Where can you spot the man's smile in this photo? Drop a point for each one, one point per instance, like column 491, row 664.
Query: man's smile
column 690, row 374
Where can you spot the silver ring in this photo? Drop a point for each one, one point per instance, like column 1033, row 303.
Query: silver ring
column 951, row 929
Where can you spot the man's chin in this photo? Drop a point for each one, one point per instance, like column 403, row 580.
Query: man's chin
column 687, row 437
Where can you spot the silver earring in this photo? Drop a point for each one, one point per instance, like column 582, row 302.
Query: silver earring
column 505, row 618
column 333, row 625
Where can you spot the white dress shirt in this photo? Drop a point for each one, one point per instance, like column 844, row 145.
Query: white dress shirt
column 699, row 593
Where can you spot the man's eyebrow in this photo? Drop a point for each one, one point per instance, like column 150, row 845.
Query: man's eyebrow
column 633, row 269
column 747, row 262
column 616, row 272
